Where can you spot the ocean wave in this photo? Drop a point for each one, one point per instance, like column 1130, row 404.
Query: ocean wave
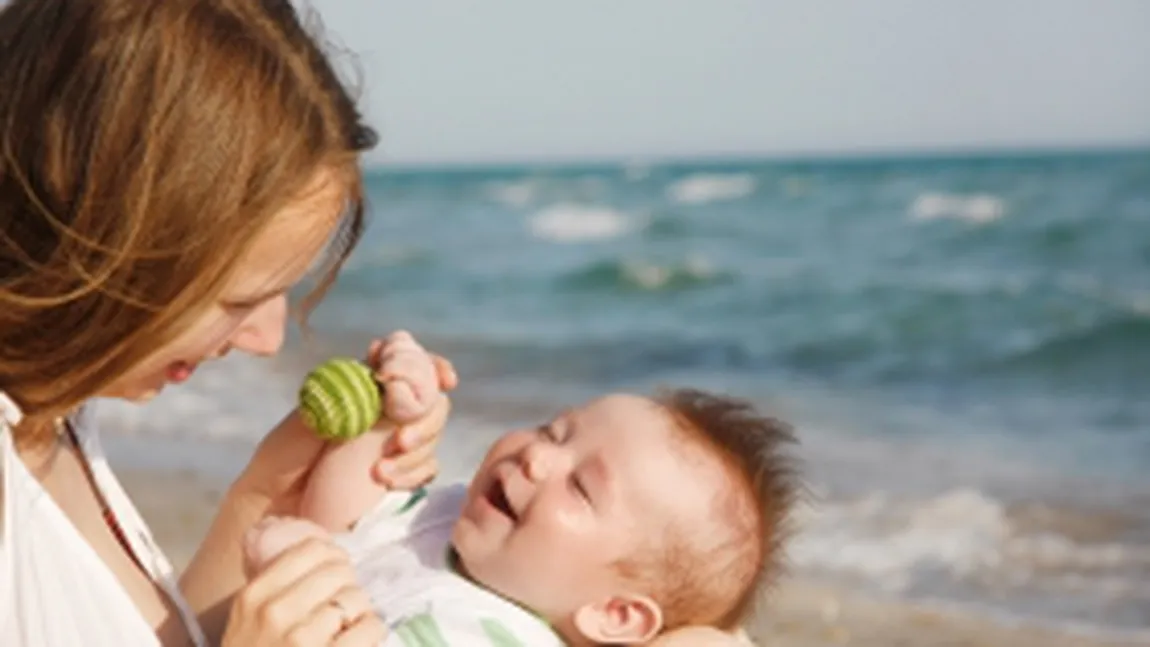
column 691, row 272
column 965, row 539
column 976, row 208
column 570, row 223
column 1117, row 346
column 517, row 193
column 703, row 188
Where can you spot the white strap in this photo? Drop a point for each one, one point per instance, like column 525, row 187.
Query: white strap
column 10, row 411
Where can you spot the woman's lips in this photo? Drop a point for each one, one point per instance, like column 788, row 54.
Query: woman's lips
column 180, row 372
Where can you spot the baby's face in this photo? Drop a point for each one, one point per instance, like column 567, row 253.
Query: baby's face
column 552, row 511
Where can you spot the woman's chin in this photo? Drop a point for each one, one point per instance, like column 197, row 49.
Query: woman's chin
column 138, row 394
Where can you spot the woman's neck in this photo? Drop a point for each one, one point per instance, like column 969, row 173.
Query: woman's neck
column 39, row 447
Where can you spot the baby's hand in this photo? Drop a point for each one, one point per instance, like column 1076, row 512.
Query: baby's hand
column 272, row 536
column 412, row 378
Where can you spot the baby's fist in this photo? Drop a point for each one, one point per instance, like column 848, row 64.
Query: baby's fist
column 409, row 374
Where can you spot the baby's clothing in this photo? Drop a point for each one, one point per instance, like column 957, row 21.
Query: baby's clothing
column 403, row 558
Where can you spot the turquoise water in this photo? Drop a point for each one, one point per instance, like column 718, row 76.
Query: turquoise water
column 964, row 344
column 1011, row 296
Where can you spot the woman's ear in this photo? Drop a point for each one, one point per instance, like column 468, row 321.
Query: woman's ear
column 620, row 619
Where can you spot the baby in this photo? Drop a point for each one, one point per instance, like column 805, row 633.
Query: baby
column 613, row 522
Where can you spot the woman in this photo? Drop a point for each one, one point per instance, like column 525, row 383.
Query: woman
column 169, row 171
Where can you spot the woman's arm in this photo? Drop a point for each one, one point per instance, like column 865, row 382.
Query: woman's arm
column 216, row 572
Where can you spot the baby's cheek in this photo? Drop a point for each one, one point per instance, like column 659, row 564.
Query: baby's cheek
column 565, row 528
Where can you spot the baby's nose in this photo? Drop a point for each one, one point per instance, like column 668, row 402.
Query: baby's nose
column 539, row 461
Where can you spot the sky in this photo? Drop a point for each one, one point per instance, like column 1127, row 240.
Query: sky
column 447, row 81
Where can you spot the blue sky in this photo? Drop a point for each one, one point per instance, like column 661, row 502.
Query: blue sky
column 513, row 80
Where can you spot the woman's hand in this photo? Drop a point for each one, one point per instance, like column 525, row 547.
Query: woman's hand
column 306, row 596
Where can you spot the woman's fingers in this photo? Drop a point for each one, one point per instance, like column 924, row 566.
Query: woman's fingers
column 448, row 378
column 292, row 565
column 411, row 478
column 347, row 608
column 369, row 631
column 410, row 465
column 314, row 608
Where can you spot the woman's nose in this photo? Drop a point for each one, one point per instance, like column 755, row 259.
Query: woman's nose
column 263, row 332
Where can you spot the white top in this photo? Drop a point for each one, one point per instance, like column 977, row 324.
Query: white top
column 401, row 556
column 55, row 591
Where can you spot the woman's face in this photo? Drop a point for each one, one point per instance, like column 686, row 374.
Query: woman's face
column 251, row 314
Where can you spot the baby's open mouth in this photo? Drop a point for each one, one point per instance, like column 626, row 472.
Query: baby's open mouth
column 497, row 497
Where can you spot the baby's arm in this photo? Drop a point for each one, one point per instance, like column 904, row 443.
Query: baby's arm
column 343, row 486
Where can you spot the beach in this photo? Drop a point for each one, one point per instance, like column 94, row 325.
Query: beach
column 801, row 613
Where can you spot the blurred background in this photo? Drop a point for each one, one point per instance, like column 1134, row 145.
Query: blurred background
column 920, row 231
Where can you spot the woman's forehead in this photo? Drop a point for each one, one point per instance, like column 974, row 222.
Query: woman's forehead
column 297, row 235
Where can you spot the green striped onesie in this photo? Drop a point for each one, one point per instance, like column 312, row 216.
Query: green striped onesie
column 400, row 552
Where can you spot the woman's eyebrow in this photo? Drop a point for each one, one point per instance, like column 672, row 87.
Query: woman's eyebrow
column 257, row 298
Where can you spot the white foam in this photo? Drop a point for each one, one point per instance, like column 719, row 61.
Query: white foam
column 652, row 276
column 703, row 188
column 570, row 222
column 978, row 208
column 513, row 194
column 963, row 535
column 884, row 542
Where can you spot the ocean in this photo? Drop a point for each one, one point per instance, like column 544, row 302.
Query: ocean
column 963, row 345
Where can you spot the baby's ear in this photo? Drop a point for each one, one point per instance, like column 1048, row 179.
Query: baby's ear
column 620, row 619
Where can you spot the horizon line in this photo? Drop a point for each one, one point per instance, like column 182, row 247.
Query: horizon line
column 748, row 157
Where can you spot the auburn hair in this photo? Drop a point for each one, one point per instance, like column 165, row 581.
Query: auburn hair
column 143, row 147
column 720, row 581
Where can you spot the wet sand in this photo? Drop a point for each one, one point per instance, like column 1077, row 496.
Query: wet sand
column 801, row 613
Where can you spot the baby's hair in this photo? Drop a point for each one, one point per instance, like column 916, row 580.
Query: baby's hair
column 718, row 583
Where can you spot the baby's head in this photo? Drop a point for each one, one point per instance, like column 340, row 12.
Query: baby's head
column 630, row 516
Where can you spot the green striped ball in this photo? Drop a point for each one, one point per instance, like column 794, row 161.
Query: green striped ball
column 340, row 399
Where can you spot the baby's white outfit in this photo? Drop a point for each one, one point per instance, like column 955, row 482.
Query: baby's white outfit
column 403, row 557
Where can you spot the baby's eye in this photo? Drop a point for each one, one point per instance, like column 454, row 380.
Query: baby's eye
column 577, row 485
column 546, row 433
column 549, row 433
